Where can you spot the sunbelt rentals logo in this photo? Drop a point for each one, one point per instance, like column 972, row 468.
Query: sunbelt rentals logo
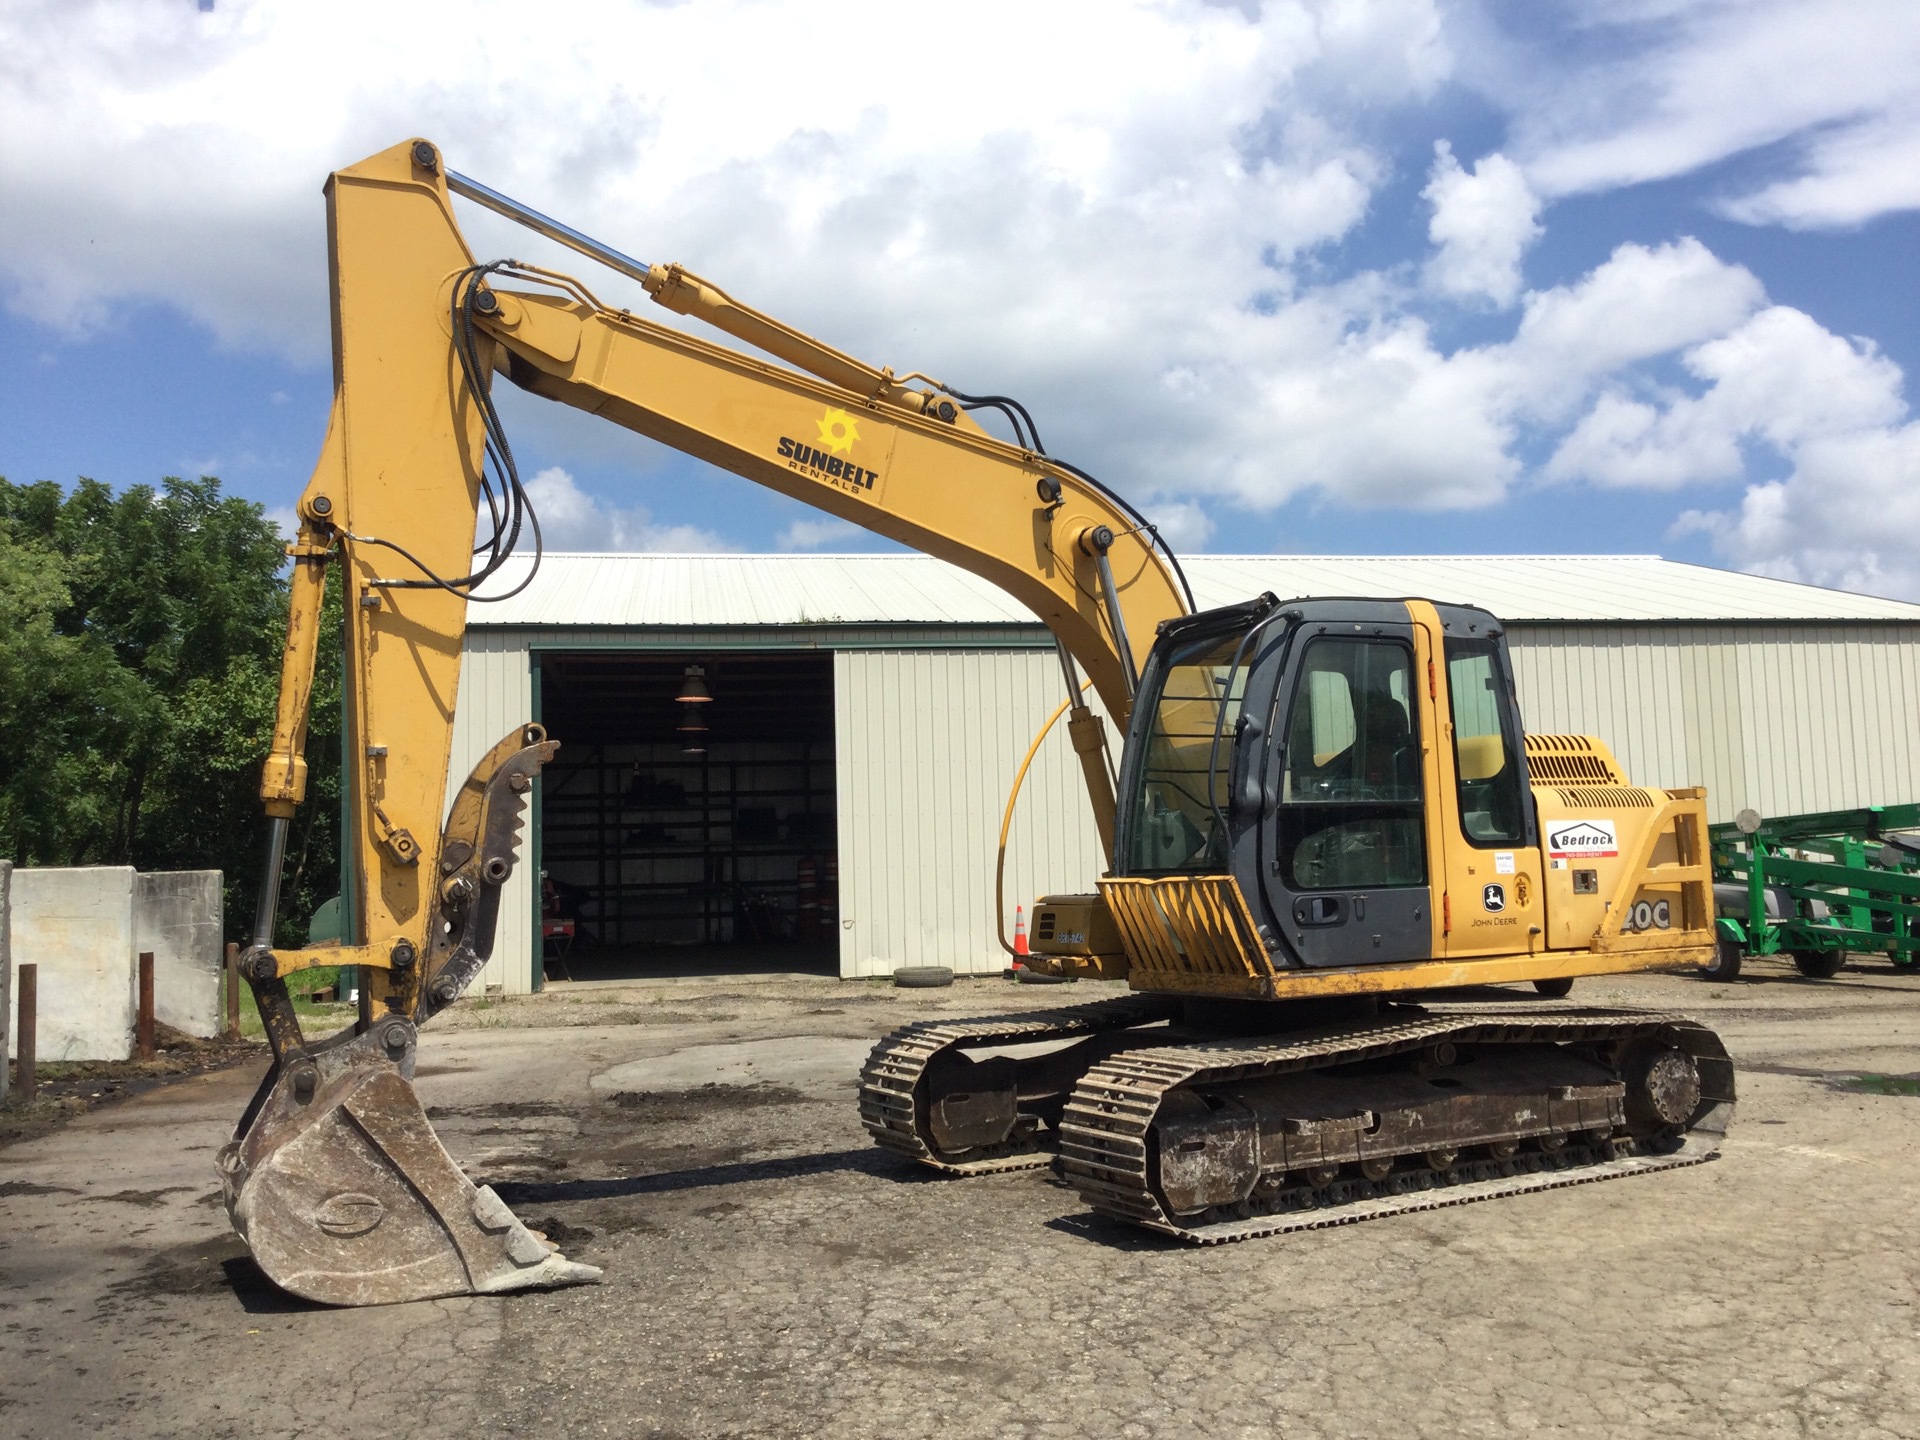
column 829, row 456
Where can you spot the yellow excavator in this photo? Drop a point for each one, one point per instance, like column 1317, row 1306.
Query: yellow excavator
column 1324, row 811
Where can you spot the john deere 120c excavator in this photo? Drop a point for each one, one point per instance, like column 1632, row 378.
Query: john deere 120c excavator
column 1323, row 809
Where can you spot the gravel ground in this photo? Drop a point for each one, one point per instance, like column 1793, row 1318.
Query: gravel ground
column 769, row 1273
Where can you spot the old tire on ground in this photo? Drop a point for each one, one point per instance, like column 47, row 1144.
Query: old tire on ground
column 1819, row 964
column 1555, row 989
column 923, row 977
column 1726, row 961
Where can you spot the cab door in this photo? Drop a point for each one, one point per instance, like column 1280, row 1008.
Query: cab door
column 1492, row 901
column 1344, row 855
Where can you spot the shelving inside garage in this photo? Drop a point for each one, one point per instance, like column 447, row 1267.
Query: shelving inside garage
column 649, row 846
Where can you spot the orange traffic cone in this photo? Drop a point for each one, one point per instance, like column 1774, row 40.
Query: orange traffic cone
column 1019, row 932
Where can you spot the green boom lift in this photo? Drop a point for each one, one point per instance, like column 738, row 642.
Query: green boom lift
column 1818, row 887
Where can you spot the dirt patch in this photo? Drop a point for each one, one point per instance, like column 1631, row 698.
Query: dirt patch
column 1882, row 1084
column 662, row 1017
column 506, row 1110
column 567, row 1237
column 27, row 1187
column 621, row 1219
column 197, row 1268
column 1854, row 1082
column 665, row 1105
column 630, row 1015
column 142, row 1199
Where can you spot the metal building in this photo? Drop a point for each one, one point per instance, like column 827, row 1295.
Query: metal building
column 868, row 713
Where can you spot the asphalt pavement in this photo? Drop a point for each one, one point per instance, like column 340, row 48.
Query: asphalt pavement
column 769, row 1273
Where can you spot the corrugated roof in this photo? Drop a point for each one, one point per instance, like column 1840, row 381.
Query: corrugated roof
column 1541, row 587
column 682, row 590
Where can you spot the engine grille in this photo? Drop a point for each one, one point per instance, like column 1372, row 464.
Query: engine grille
column 1571, row 760
column 1606, row 797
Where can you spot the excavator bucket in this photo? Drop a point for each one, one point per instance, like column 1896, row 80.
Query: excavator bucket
column 346, row 1196
column 335, row 1178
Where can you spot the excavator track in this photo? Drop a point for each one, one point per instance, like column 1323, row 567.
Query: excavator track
column 1106, row 1154
column 892, row 1092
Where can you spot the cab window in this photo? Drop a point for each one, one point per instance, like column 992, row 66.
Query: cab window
column 1486, row 745
column 1350, row 803
column 1183, row 782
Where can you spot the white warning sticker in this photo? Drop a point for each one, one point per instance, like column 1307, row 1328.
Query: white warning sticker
column 1503, row 862
column 1581, row 839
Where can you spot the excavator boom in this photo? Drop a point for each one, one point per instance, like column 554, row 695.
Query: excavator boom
column 334, row 1176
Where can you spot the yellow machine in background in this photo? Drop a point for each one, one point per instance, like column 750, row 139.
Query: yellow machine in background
column 1323, row 808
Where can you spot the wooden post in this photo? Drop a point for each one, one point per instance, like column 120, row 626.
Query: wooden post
column 6, row 965
column 143, row 1046
column 233, row 990
column 29, row 977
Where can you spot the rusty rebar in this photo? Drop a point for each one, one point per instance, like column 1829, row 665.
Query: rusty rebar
column 233, row 990
column 25, row 1079
column 143, row 1045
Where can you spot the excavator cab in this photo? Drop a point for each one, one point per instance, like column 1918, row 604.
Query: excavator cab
column 1293, row 752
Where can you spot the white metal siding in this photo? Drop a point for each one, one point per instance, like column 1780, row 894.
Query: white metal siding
column 1782, row 718
column 928, row 742
column 496, row 694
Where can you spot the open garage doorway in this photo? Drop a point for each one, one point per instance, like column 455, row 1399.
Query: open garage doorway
column 683, row 835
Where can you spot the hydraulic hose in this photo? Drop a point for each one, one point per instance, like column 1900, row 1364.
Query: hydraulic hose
column 1006, row 820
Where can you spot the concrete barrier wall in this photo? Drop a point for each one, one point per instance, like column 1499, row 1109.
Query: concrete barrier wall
column 77, row 926
column 85, row 929
column 176, row 915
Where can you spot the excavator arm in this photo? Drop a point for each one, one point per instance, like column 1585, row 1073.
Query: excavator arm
column 335, row 1176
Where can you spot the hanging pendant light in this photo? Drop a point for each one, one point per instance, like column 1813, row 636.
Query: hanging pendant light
column 693, row 689
column 692, row 700
column 693, row 731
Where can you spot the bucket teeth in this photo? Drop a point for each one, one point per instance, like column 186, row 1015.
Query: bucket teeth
column 349, row 1198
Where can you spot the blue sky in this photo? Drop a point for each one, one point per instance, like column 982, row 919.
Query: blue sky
column 1407, row 276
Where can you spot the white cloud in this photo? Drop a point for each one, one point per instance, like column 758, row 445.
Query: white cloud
column 1648, row 92
column 1846, row 517
column 1354, row 395
column 1101, row 206
column 812, row 534
column 178, row 153
column 1642, row 302
column 1483, row 222
column 571, row 519
column 1129, row 219
column 1850, row 174
column 1777, row 392
column 1829, row 409
column 1778, row 379
column 1183, row 524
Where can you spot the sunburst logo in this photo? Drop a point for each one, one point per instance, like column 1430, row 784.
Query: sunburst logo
column 838, row 431
column 830, row 458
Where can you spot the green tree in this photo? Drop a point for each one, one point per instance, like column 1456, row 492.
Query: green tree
column 140, row 639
